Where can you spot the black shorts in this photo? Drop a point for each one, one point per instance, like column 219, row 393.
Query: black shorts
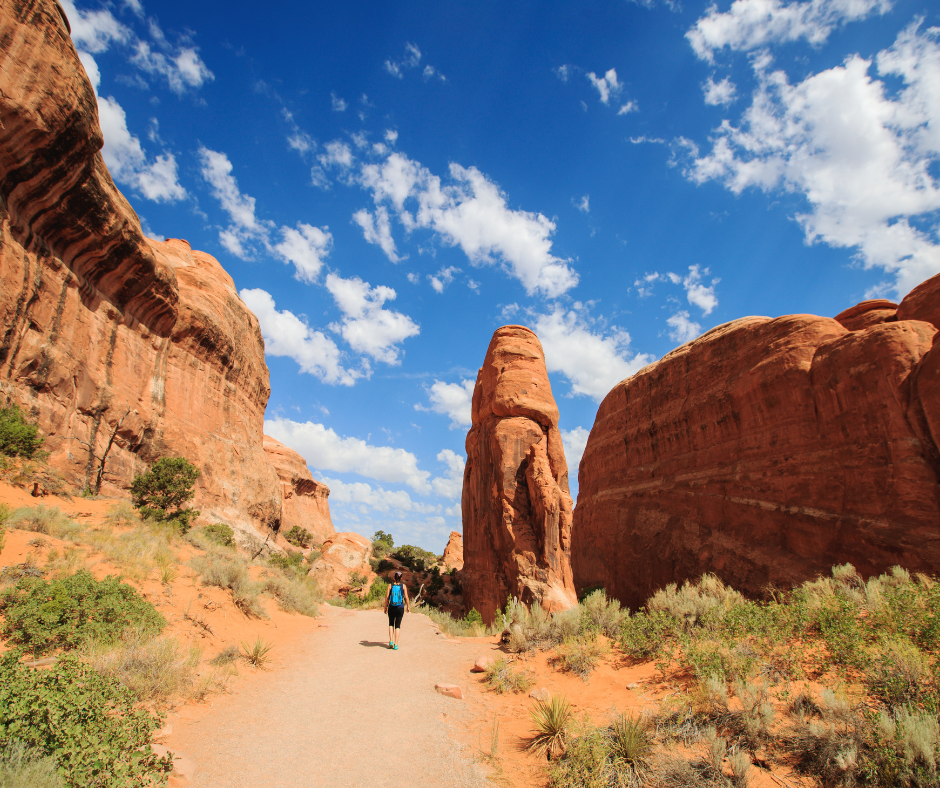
column 395, row 614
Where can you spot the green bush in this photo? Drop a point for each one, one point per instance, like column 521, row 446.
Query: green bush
column 288, row 561
column 161, row 492
column 18, row 438
column 88, row 723
column 299, row 537
column 384, row 566
column 376, row 591
column 382, row 544
column 42, row 616
column 473, row 618
column 221, row 534
column 415, row 558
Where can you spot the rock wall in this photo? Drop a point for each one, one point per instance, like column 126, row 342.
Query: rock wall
column 516, row 504
column 453, row 553
column 305, row 500
column 342, row 556
column 104, row 331
column 767, row 451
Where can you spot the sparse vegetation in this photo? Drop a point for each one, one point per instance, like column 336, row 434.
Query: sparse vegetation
column 256, row 653
column 502, row 678
column 553, row 720
column 299, row 537
column 223, row 569
column 161, row 492
column 21, row 767
column 220, row 533
column 18, row 437
column 618, row 755
column 415, row 558
column 44, row 520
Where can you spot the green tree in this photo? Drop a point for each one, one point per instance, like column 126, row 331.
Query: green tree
column 381, row 536
column 162, row 491
column 18, row 438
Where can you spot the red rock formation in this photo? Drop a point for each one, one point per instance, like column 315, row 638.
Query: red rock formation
column 304, row 499
column 516, row 504
column 867, row 314
column 106, row 332
column 766, row 451
column 453, row 553
column 342, row 555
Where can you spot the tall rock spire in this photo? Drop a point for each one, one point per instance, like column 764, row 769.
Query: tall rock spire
column 516, row 504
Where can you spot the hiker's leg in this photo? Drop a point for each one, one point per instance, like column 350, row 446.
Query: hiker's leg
column 391, row 633
column 397, row 630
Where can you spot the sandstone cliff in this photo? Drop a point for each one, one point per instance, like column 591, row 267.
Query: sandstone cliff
column 768, row 450
column 305, row 500
column 106, row 332
column 516, row 504
column 453, row 553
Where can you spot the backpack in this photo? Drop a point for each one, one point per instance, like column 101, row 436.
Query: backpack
column 397, row 599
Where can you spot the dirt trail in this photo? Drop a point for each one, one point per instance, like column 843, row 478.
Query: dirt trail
column 344, row 711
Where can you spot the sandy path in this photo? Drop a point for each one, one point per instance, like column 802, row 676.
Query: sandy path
column 345, row 711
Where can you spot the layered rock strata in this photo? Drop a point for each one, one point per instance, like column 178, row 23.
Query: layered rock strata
column 304, row 500
column 516, row 504
column 343, row 557
column 768, row 450
column 116, row 344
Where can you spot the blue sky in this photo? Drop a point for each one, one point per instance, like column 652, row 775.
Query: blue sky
column 389, row 183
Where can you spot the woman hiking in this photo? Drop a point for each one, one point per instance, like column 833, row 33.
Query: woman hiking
column 396, row 599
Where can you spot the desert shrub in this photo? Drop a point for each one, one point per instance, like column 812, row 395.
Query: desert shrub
column 86, row 721
column 376, row 592
column 357, row 579
column 152, row 669
column 553, row 720
column 898, row 672
column 223, row 569
column 415, row 558
column 644, row 636
column 21, row 767
column 289, row 561
column 220, row 533
column 695, row 602
column 122, row 515
column 256, row 653
column 906, row 748
column 294, row 594
column 18, row 437
column 501, row 678
column 384, row 565
column 580, row 655
column 5, row 513
column 469, row 626
column 600, row 614
column 473, row 618
column 583, row 763
column 161, row 492
column 226, row 656
column 382, row 544
column 42, row 616
column 137, row 551
column 299, row 537
column 44, row 520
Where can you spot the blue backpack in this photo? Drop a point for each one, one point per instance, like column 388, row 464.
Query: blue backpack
column 397, row 599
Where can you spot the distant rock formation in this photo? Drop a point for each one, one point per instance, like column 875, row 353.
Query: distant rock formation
column 516, row 503
column 453, row 553
column 305, row 500
column 107, row 333
column 342, row 556
column 767, row 451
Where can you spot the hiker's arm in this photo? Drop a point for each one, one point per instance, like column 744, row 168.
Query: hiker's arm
column 388, row 591
column 407, row 600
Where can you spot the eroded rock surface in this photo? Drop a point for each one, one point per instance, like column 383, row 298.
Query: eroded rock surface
column 453, row 553
column 343, row 555
column 305, row 500
column 516, row 503
column 106, row 332
column 767, row 451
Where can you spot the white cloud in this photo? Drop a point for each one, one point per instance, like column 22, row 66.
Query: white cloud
column 93, row 31
column 606, row 85
column 377, row 230
column 391, row 136
column 430, row 72
column 751, row 24
column 564, row 72
column 366, row 325
column 156, row 180
column 413, row 278
column 626, row 109
column 442, row 278
column 719, row 93
column 306, row 247
column 644, row 285
column 861, row 153
column 452, row 400
column 584, row 204
column 411, row 59
column 182, row 69
column 472, row 213
column 378, row 498
column 287, row 335
column 450, row 485
column 217, row 170
column 682, row 328
column 574, row 442
column 323, row 449
column 696, row 292
column 91, row 69
column 338, row 154
column 339, row 105
column 593, row 362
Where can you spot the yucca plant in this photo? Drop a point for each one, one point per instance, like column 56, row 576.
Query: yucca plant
column 552, row 720
column 630, row 742
column 257, row 653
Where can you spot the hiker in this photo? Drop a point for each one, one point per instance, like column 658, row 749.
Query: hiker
column 396, row 599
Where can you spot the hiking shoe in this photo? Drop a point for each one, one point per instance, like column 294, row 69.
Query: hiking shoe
column 390, row 644
column 395, row 647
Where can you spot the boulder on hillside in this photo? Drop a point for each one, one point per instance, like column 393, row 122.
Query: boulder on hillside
column 768, row 450
column 341, row 556
column 516, row 504
column 453, row 553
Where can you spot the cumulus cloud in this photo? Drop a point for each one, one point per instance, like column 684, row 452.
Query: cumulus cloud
column 182, row 68
column 574, row 442
column 719, row 93
column 698, row 294
column 412, row 59
column 452, row 400
column 94, row 31
column 564, row 72
column 593, row 362
column 367, row 326
column 644, row 285
column 471, row 212
column 339, row 105
column 626, row 109
column 862, row 154
column 338, row 154
column 290, row 336
column 584, row 204
column 450, row 485
column 752, row 24
column 377, row 229
column 442, row 278
column 324, row 450
column 157, row 179
column 306, row 247
column 607, row 85
column 681, row 327
column 378, row 498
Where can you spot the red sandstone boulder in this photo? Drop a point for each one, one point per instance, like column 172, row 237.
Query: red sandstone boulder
column 766, row 451
column 342, row 556
column 867, row 314
column 516, row 504
column 304, row 500
column 453, row 553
